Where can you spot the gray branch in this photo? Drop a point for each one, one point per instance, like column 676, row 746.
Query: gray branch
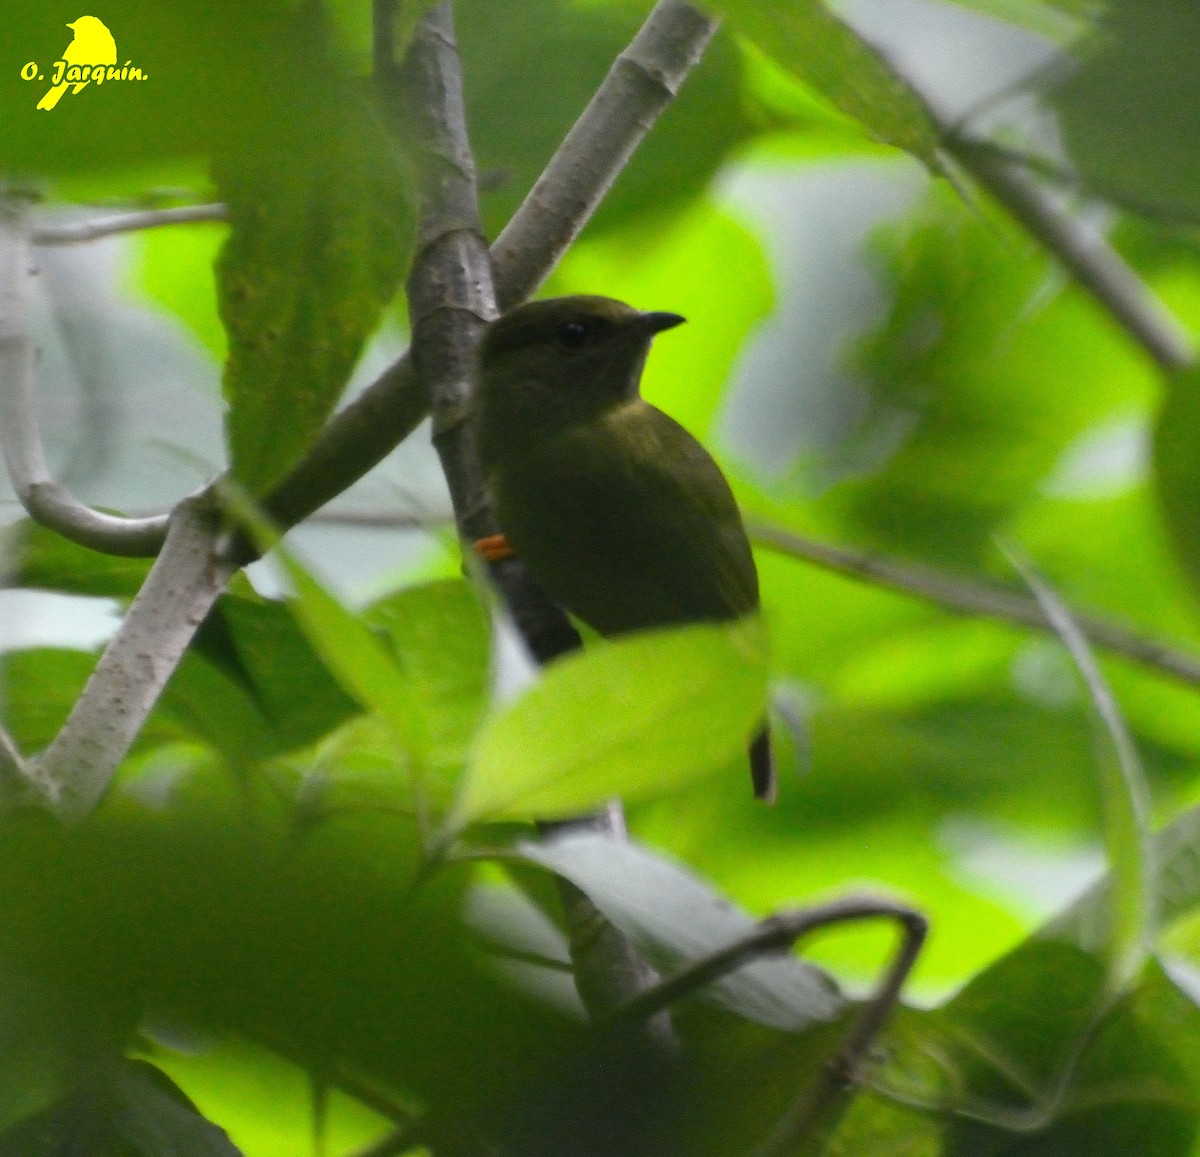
column 46, row 500
column 976, row 598
column 186, row 579
column 451, row 300
column 126, row 223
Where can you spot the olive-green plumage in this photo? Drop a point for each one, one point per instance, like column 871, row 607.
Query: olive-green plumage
column 619, row 513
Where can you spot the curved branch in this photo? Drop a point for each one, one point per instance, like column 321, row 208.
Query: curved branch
column 976, row 598
column 808, row 1122
column 47, row 501
column 806, row 1128
column 127, row 223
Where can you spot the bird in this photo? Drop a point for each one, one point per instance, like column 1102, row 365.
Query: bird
column 618, row 512
column 93, row 44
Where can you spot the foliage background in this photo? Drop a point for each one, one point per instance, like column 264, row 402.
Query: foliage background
column 879, row 357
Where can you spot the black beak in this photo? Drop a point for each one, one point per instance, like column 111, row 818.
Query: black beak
column 657, row 322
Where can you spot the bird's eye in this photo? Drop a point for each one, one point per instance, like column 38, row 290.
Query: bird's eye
column 574, row 334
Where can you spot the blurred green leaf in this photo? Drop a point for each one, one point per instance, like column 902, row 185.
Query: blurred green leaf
column 805, row 37
column 1035, row 1064
column 1131, row 108
column 632, row 717
column 358, row 659
column 169, row 269
column 209, row 72
column 43, row 559
column 441, row 640
column 320, row 228
column 40, row 687
column 251, row 685
column 521, row 102
column 960, row 428
column 132, row 1110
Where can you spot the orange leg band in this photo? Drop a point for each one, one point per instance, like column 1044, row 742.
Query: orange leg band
column 494, row 548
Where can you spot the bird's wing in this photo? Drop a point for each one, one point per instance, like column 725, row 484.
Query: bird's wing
column 629, row 523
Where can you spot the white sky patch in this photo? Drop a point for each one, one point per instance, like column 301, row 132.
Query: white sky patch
column 1033, row 877
column 1104, row 461
column 45, row 619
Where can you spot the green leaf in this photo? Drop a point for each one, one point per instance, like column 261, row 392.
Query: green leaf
column 806, row 38
column 1022, row 1061
column 959, row 412
column 355, row 656
column 358, row 659
column 676, row 918
column 206, row 70
column 521, row 102
column 441, row 641
column 251, row 685
column 320, row 232
column 44, row 559
column 631, row 717
column 1131, row 109
column 133, row 1111
column 40, row 686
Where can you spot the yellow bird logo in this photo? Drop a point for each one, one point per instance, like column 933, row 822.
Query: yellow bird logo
column 93, row 44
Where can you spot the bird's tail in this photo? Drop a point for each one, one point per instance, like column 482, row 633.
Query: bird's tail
column 52, row 96
column 762, row 766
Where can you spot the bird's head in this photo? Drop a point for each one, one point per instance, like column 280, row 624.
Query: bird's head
column 549, row 364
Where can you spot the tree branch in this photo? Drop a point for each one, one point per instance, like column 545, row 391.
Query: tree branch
column 976, row 598
column 807, row 1124
column 1082, row 251
column 47, row 501
column 451, row 301
column 186, row 579
column 126, row 223
column 143, row 653
column 364, row 432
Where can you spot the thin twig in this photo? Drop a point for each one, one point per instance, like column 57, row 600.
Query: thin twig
column 976, row 598
column 126, row 223
column 186, row 579
column 817, row 1109
column 1082, row 251
column 364, row 432
column 805, row 1129
column 47, row 501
